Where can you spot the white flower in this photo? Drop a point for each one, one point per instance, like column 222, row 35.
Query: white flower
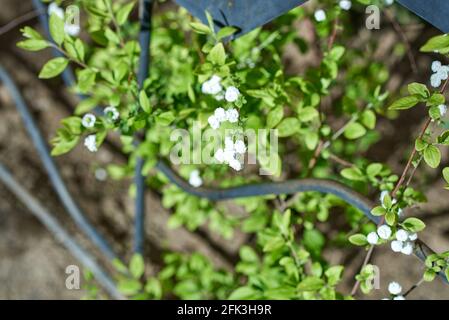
column 195, row 179
column 436, row 65
column 443, row 109
column 372, row 238
column 345, row 4
column 396, row 245
column 235, row 164
column 232, row 94
column 240, row 147
column 320, row 15
column 435, row 80
column 399, row 298
column 407, row 248
column 53, row 8
column 413, row 236
column 229, row 144
column 88, row 120
column 232, row 115
column 229, row 156
column 219, row 155
column 394, row 288
column 388, row 2
column 213, row 122
column 220, row 114
column 90, row 143
column 402, row 235
column 111, row 113
column 384, row 232
column 72, row 29
column 212, row 86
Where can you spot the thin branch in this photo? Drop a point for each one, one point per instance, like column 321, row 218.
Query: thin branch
column 397, row 187
column 18, row 21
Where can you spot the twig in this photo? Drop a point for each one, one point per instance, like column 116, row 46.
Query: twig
column 18, row 21
column 415, row 286
column 397, row 187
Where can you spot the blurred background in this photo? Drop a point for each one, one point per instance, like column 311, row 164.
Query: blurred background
column 33, row 263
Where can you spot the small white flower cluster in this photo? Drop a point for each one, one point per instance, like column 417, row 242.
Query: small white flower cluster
column 395, row 289
column 90, row 142
column 213, row 87
column 221, row 115
column 383, row 232
column 195, row 179
column 441, row 73
column 111, row 113
column 345, row 4
column 404, row 242
column 71, row 29
column 320, row 15
column 232, row 153
column 88, row 120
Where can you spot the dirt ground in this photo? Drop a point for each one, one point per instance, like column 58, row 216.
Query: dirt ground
column 32, row 262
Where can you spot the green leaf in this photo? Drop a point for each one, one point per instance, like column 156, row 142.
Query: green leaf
column 358, row 239
column 436, row 99
column 369, row 119
column 200, row 28
column 429, row 275
column 288, row 127
column 137, row 266
column 63, row 146
column 432, row 156
column 438, row 44
column 31, row 33
column 354, row 174
column 275, row 116
column 86, row 80
column 226, row 32
column 144, row 102
column 446, row 174
column 243, row 293
column 129, row 286
column 333, row 275
column 217, row 55
column 405, row 103
column 310, row 284
column 446, row 273
column 33, row 44
column 308, row 114
column 378, row 211
column 390, row 218
column 373, row 169
column 414, row 224
column 420, row 145
column 123, row 13
column 57, row 32
column 354, row 131
column 419, row 89
column 53, row 67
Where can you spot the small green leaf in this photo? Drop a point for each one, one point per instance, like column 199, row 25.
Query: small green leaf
column 438, row 44
column 446, row 174
column 33, row 44
column 137, row 266
column 358, row 239
column 243, row 293
column 354, row 131
column 414, row 224
column 226, row 32
column 368, row 119
column 420, row 145
column 405, row 103
column 53, row 67
column 429, row 275
column 310, row 284
column 56, row 25
column 129, row 286
column 418, row 89
column 432, row 156
column 275, row 116
column 308, row 114
column 200, row 28
column 435, row 100
column 217, row 55
column 354, row 174
column 144, row 102
column 378, row 211
column 288, row 127
column 123, row 13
